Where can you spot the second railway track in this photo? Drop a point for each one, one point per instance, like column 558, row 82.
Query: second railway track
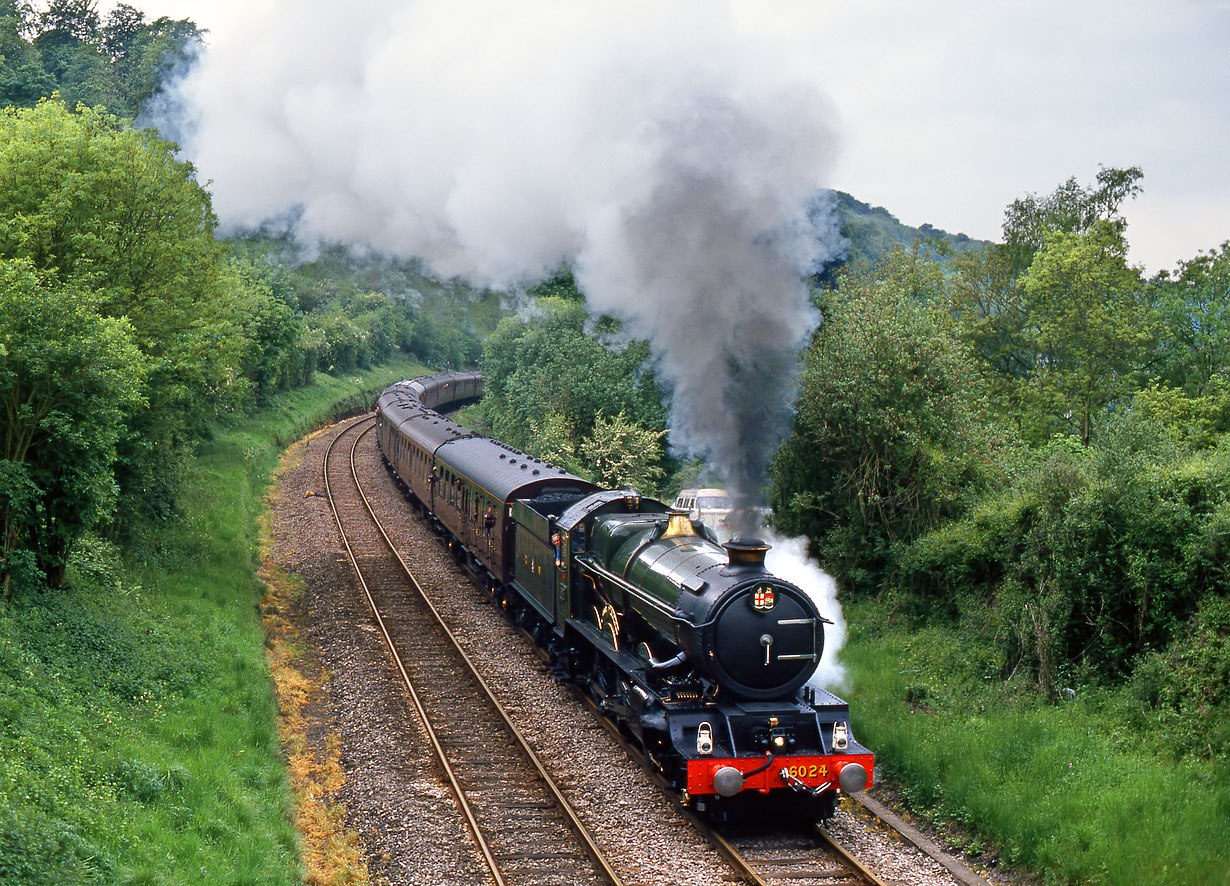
column 525, row 831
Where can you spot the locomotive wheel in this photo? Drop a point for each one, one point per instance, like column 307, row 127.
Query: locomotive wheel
column 595, row 680
column 563, row 660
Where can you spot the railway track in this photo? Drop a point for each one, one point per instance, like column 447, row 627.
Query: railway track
column 524, row 829
column 807, row 856
column 799, row 856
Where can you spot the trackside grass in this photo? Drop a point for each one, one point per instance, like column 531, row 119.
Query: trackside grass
column 138, row 731
column 1069, row 790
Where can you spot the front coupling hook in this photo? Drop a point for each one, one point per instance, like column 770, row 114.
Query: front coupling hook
column 796, row 785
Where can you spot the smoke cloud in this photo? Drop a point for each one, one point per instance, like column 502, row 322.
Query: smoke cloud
column 672, row 153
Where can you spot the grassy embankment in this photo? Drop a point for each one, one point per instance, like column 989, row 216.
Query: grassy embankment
column 1072, row 790
column 138, row 732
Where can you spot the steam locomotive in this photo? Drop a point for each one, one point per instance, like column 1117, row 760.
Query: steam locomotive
column 694, row 648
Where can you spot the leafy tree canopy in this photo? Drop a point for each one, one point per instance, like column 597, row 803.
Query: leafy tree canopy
column 1194, row 351
column 1070, row 208
column 889, row 434
column 1090, row 331
column 119, row 62
column 622, row 454
column 69, row 379
column 112, row 211
column 109, row 211
column 554, row 389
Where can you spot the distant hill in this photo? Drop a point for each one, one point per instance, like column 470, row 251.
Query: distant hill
column 873, row 231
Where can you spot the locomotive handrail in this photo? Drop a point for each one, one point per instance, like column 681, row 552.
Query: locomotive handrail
column 625, row 585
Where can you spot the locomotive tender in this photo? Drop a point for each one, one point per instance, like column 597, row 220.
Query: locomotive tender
column 692, row 647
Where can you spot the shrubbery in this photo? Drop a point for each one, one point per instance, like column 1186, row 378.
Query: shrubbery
column 1096, row 556
column 1183, row 691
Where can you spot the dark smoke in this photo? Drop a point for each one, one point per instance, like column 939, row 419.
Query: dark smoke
column 669, row 152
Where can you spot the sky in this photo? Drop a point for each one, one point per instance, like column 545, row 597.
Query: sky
column 944, row 113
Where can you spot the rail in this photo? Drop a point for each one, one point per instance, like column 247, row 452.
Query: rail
column 586, row 840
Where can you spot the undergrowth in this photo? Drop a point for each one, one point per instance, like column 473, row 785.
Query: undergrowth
column 138, row 733
column 1082, row 790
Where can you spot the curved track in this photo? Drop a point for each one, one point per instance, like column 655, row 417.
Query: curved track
column 766, row 856
column 524, row 830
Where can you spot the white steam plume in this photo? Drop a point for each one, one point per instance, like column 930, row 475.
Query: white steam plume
column 669, row 151
column 788, row 559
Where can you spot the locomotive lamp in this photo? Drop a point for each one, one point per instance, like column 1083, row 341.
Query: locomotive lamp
column 704, row 739
column 779, row 736
column 841, row 736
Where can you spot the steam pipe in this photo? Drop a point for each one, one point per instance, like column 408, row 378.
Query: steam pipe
column 759, row 769
column 675, row 662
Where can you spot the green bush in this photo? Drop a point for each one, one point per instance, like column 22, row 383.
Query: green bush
column 554, row 389
column 1098, row 556
column 1181, row 694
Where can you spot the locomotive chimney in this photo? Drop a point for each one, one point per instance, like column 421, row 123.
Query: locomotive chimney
column 746, row 553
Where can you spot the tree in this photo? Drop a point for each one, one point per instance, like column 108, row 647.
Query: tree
column 68, row 30
column 109, row 210
column 889, row 435
column 621, row 454
column 119, row 65
column 1194, row 350
column 986, row 299
column 154, row 55
column 124, row 25
column 70, row 21
column 88, row 77
column 273, row 331
column 22, row 78
column 69, row 378
column 1072, row 209
column 1090, row 328
column 19, row 17
column 548, row 364
column 1062, row 323
column 25, row 84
